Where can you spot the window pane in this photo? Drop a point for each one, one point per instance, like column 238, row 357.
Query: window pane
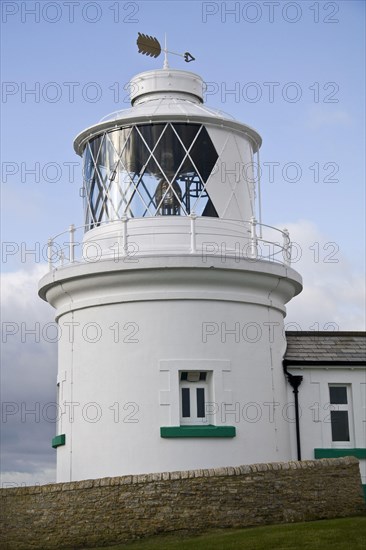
column 169, row 152
column 200, row 402
column 203, row 375
column 203, row 154
column 183, row 375
column 338, row 395
column 339, row 420
column 186, row 132
column 151, row 133
column 186, row 407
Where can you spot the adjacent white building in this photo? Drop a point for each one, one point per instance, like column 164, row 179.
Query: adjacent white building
column 332, row 394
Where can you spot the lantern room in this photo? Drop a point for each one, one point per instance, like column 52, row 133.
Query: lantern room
column 168, row 155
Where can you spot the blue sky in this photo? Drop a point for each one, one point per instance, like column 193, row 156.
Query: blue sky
column 310, row 51
column 228, row 53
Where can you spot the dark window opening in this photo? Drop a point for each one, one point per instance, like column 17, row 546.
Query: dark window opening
column 186, row 406
column 338, row 395
column 200, row 392
column 340, row 426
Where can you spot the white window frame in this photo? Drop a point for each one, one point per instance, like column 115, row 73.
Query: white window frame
column 193, row 419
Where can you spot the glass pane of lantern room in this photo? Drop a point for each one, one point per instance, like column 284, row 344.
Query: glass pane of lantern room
column 147, row 171
column 129, row 166
column 198, row 165
column 164, row 154
column 203, row 154
column 186, row 132
column 169, row 153
column 140, row 202
column 146, row 174
column 88, row 164
column 92, row 181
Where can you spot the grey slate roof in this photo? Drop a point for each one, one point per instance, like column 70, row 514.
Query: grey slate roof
column 324, row 347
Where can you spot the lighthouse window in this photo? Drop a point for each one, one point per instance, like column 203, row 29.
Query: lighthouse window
column 194, row 395
column 148, row 170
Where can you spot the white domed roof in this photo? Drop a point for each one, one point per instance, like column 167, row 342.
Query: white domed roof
column 164, row 106
column 166, row 95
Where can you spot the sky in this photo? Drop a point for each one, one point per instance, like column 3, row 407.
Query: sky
column 292, row 70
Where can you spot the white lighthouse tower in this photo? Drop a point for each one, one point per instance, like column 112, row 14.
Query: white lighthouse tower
column 171, row 304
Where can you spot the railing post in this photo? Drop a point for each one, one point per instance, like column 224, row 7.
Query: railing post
column 49, row 252
column 193, row 232
column 71, row 243
column 124, row 236
column 286, row 247
column 253, row 238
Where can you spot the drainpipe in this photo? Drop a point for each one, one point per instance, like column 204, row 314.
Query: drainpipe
column 295, row 381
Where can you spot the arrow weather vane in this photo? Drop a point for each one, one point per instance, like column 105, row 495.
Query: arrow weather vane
column 149, row 45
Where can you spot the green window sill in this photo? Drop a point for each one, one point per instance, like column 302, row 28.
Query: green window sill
column 198, row 431
column 337, row 453
column 58, row 441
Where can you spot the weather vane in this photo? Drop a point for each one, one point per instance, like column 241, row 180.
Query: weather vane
column 149, row 45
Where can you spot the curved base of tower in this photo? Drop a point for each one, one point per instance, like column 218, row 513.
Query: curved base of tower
column 170, row 363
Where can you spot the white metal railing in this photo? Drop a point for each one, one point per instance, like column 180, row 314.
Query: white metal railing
column 64, row 248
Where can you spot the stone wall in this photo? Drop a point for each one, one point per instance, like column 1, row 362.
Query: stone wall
column 111, row 510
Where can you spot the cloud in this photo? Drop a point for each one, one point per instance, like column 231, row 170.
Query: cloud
column 20, row 479
column 333, row 291
column 28, row 380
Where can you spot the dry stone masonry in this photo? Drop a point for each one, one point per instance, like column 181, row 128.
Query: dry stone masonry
column 105, row 511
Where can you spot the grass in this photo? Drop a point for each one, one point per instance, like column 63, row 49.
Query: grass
column 335, row 534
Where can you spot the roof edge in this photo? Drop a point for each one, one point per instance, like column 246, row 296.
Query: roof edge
column 334, row 333
column 324, row 363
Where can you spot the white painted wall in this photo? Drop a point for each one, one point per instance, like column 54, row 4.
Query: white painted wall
column 132, row 386
column 315, row 426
